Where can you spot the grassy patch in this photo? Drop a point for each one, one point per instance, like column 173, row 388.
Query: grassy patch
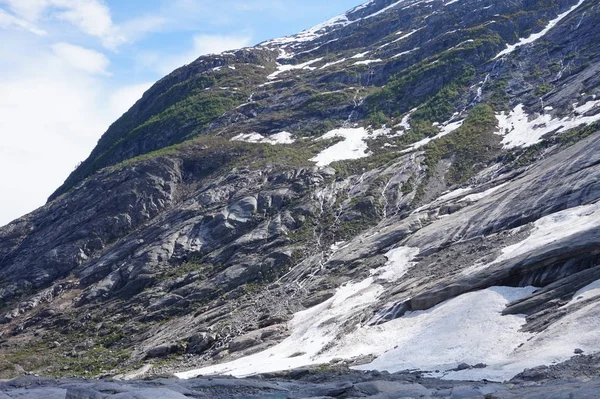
column 186, row 268
column 60, row 361
column 471, row 145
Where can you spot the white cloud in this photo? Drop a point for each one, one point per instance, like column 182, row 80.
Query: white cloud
column 9, row 21
column 137, row 28
column 51, row 116
column 29, row 10
column 260, row 5
column 91, row 17
column 213, row 44
column 89, row 61
column 202, row 45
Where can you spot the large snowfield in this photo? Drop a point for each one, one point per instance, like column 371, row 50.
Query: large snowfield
column 467, row 329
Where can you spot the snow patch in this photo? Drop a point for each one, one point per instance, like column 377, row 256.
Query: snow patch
column 469, row 328
column 285, row 68
column 582, row 109
column 459, row 192
column 405, row 122
column 312, row 33
column 360, row 7
column 555, row 227
column 321, row 29
column 333, row 63
column 407, row 35
column 558, row 342
column 360, row 55
column 588, row 292
column 404, row 36
column 532, row 38
column 405, row 52
column 546, row 230
column 277, row 138
column 398, row 264
column 453, row 194
column 318, row 327
column 520, row 130
column 312, row 330
column 472, row 327
column 367, row 62
column 353, row 145
column 384, row 9
column 479, row 196
column 446, row 129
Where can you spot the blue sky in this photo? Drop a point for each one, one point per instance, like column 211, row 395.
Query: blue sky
column 69, row 68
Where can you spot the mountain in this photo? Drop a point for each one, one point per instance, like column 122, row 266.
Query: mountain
column 412, row 185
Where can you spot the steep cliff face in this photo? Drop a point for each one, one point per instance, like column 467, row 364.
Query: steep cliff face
column 422, row 167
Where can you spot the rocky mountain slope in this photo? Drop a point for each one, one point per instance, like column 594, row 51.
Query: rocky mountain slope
column 411, row 185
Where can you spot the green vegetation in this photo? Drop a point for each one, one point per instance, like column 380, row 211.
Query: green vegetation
column 184, row 269
column 377, row 119
column 408, row 186
column 217, row 151
column 434, row 107
column 447, row 73
column 499, row 98
column 304, row 232
column 175, row 109
column 419, row 130
column 357, row 166
column 352, row 228
column 573, row 136
column 543, row 89
column 320, row 103
column 193, row 111
column 441, row 105
column 472, row 144
column 58, row 361
column 291, row 156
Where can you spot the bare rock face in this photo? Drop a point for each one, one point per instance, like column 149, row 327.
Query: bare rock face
column 255, row 338
column 464, row 133
column 67, row 233
column 328, row 384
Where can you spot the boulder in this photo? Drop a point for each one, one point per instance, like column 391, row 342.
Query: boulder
column 165, row 350
column 254, row 338
column 150, row 393
column 317, row 298
column 200, row 342
column 83, row 393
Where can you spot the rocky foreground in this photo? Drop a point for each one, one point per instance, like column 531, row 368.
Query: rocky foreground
column 574, row 379
column 413, row 181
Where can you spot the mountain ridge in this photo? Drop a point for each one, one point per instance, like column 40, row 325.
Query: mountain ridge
column 213, row 106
